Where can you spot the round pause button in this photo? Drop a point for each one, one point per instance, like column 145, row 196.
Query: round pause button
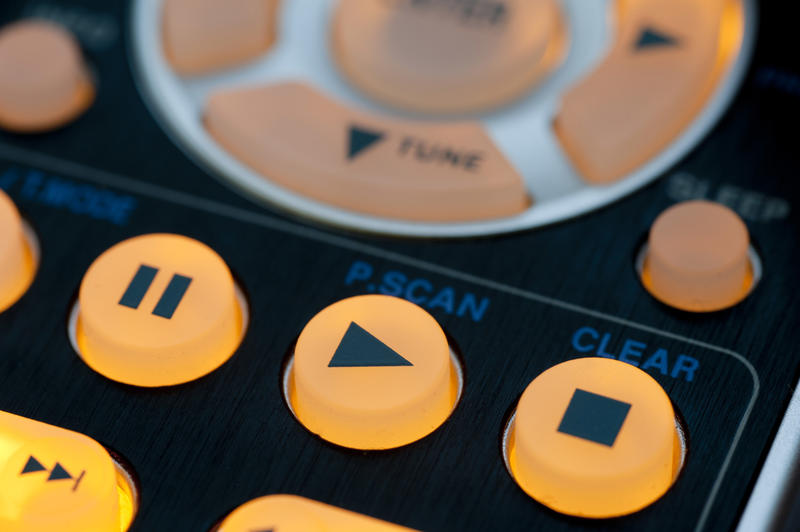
column 373, row 372
column 158, row 310
column 594, row 437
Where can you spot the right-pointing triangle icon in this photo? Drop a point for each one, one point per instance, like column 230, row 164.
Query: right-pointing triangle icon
column 59, row 473
column 360, row 140
column 359, row 349
column 32, row 466
column 652, row 38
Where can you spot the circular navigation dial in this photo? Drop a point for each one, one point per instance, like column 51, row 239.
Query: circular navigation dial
column 441, row 118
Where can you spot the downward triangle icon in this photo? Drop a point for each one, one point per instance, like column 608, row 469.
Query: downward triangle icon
column 652, row 38
column 32, row 466
column 359, row 349
column 59, row 473
column 361, row 139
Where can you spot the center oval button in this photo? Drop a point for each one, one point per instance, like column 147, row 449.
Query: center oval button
column 373, row 372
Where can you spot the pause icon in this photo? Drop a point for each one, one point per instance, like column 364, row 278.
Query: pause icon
column 170, row 299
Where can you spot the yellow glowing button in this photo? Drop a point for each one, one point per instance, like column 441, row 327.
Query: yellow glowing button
column 594, row 437
column 373, row 372
column 44, row 82
column 56, row 479
column 289, row 513
column 17, row 261
column 158, row 310
column 697, row 257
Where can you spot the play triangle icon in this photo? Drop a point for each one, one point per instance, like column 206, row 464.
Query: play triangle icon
column 359, row 349
column 652, row 38
column 360, row 140
column 59, row 473
column 32, row 466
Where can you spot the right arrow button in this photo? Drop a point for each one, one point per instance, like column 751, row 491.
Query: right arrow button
column 666, row 62
column 373, row 372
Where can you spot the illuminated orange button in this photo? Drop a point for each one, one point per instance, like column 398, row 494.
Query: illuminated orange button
column 56, row 479
column 44, row 82
column 664, row 65
column 373, row 372
column 697, row 257
column 447, row 56
column 421, row 171
column 290, row 513
column 17, row 255
column 594, row 437
column 205, row 35
column 158, row 310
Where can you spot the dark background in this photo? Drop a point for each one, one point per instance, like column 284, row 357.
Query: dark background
column 205, row 447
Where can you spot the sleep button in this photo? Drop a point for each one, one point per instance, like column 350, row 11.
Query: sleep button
column 594, row 437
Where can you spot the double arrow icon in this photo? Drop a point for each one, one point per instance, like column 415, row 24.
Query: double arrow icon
column 57, row 473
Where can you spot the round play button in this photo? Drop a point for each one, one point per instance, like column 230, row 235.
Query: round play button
column 373, row 372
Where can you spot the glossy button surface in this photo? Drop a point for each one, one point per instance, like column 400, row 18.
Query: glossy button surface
column 697, row 257
column 158, row 310
column 422, row 171
column 447, row 56
column 290, row 513
column 17, row 261
column 372, row 372
column 594, row 437
column 666, row 60
column 44, row 82
column 55, row 479
column 205, row 35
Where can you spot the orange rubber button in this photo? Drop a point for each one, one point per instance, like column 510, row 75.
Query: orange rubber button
column 205, row 35
column 447, row 56
column 594, row 437
column 419, row 171
column 697, row 257
column 372, row 372
column 17, row 260
column 158, row 310
column 44, row 82
column 290, row 513
column 56, row 479
column 665, row 63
